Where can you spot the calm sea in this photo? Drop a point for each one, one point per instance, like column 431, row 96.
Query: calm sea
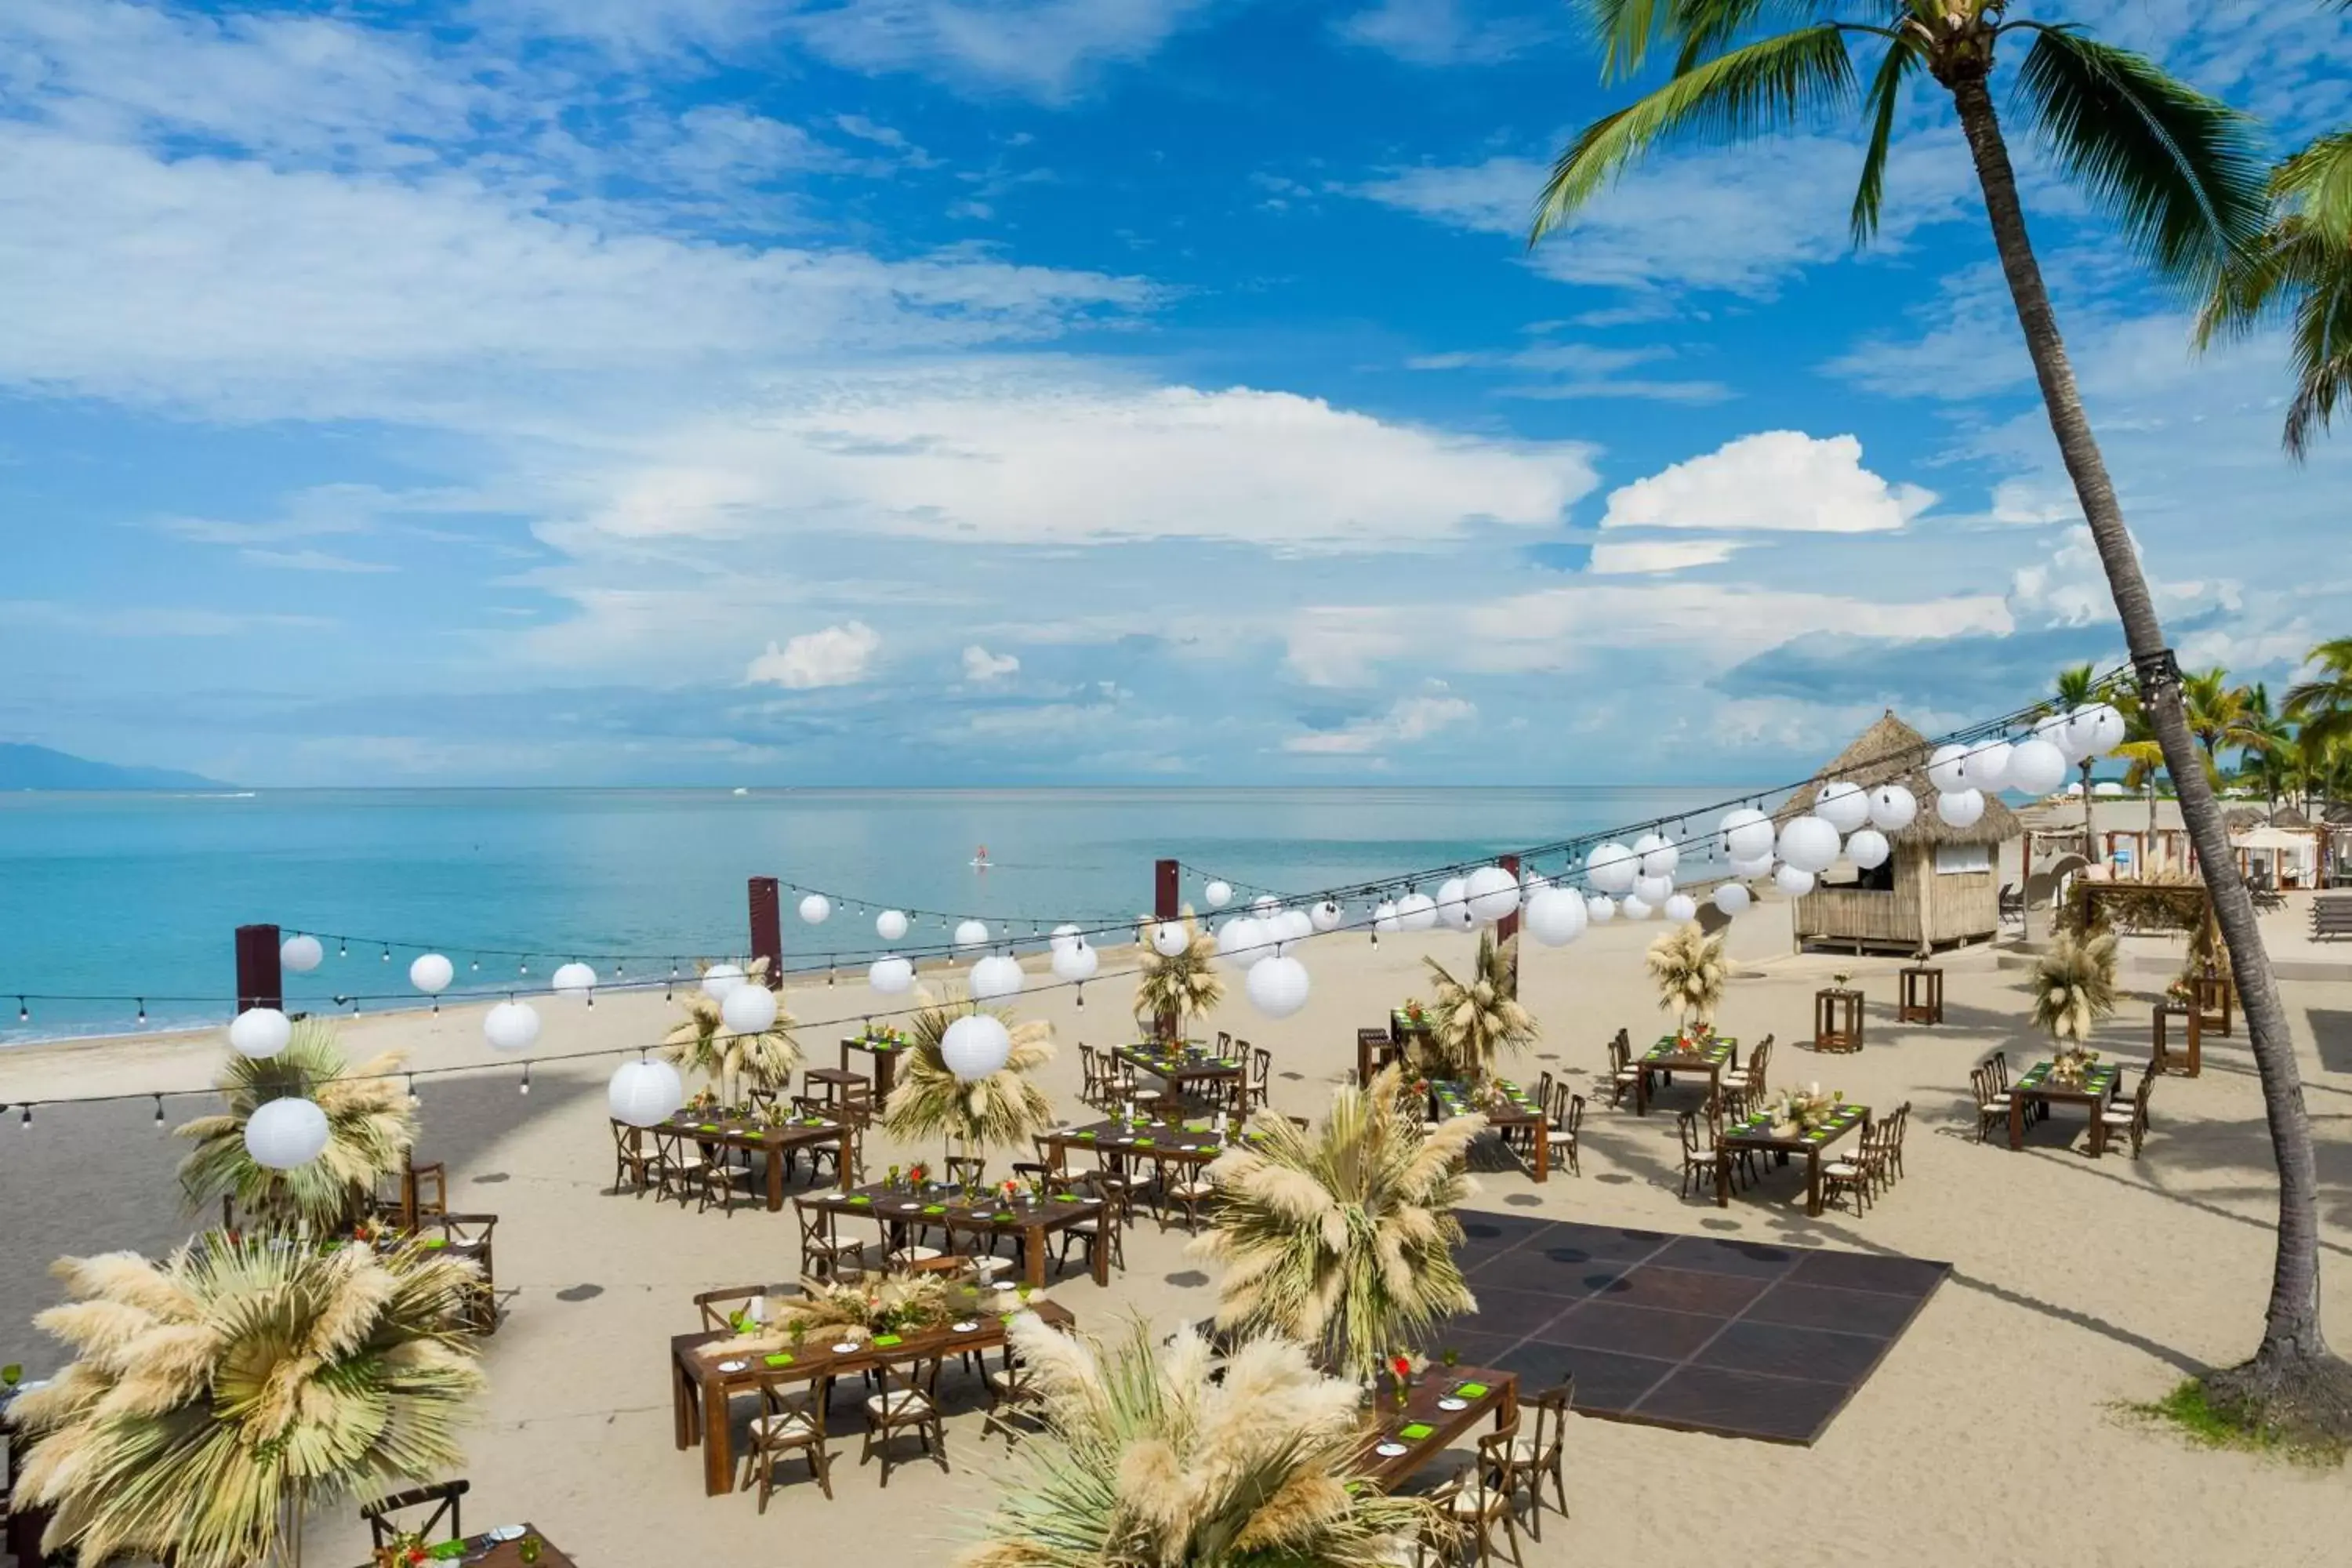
column 138, row 895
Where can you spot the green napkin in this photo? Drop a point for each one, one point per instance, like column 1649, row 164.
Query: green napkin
column 780, row 1359
column 1196, row 1126
column 1066, row 1197
column 1000, row 1214
column 1472, row 1391
column 1082, row 1137
column 1142, row 1138
column 935, row 1208
column 431, row 1241
column 859, row 1198
column 888, row 1339
column 1416, row 1432
column 446, row 1550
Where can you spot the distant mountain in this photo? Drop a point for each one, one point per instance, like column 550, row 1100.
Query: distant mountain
column 37, row 767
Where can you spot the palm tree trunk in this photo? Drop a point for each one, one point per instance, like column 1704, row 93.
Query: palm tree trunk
column 2293, row 1374
column 2090, row 829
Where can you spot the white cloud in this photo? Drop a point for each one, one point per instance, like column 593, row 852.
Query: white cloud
column 1440, row 31
column 1408, row 720
column 1572, row 370
column 837, row 655
column 1622, row 557
column 1775, row 479
column 1046, row 48
column 980, row 667
column 311, row 561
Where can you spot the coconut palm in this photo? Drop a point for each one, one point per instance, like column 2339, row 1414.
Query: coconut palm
column 1163, row 1455
column 2178, row 172
column 1172, row 992
column 370, row 1130
column 1342, row 1238
column 1471, row 1022
column 2322, row 705
column 218, row 1395
column 702, row 1043
column 2222, row 716
column 1686, row 964
column 2074, row 987
column 2077, row 686
column 1002, row 1110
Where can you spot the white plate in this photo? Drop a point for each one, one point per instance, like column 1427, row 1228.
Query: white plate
column 847, row 1347
column 1090, row 1200
column 504, row 1533
column 911, row 1206
column 734, row 1365
column 1453, row 1405
column 1192, row 1149
column 966, row 1328
column 1389, row 1450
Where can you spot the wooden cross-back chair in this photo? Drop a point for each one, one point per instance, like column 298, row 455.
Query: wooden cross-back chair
column 383, row 1528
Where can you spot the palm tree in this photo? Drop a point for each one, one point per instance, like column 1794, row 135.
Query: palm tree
column 1172, row 992
column 2301, row 268
column 1002, row 1110
column 370, row 1130
column 1167, row 1455
column 702, row 1043
column 1473, row 1022
column 2144, row 758
column 1342, row 1238
column 2180, row 172
column 1687, row 966
column 2321, row 705
column 2078, row 686
column 2274, row 756
column 2222, row 717
column 218, row 1395
column 2074, row 987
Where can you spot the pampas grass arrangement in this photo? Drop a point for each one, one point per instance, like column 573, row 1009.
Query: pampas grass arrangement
column 1170, row 1456
column 1002, row 1110
column 2074, row 987
column 218, row 1395
column 1471, row 1022
column 702, row 1043
column 370, row 1130
column 1342, row 1238
column 1180, row 989
column 1687, row 967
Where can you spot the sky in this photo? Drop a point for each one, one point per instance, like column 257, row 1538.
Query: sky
column 980, row 392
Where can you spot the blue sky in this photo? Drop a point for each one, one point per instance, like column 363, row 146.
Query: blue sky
column 969, row 390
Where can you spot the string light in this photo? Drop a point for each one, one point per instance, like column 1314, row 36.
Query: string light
column 526, row 1079
column 24, row 1013
column 159, row 1110
column 342, row 948
column 143, row 1009
column 28, row 1113
column 412, row 1090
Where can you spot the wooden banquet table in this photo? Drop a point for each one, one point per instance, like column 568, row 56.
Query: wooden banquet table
column 1423, row 1428
column 481, row 1551
column 773, row 1141
column 699, row 1388
column 1517, row 1113
column 885, row 1051
column 1757, row 1135
column 2095, row 1088
column 895, row 1208
column 1192, row 1063
column 1710, row 1056
column 1191, row 1142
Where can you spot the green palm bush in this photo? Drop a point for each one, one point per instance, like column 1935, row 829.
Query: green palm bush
column 1473, row 1021
column 370, row 1130
column 1170, row 1457
column 1342, row 1238
column 218, row 1395
column 1169, row 993
column 702, row 1043
column 1002, row 1110
column 1686, row 965
column 2073, row 988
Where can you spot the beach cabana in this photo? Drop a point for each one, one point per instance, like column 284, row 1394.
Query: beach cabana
column 1940, row 887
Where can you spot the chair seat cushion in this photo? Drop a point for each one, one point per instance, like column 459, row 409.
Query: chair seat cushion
column 987, row 1264
column 2118, row 1117
column 916, row 1253
column 898, row 1404
column 1842, row 1168
column 1190, row 1189
column 787, row 1424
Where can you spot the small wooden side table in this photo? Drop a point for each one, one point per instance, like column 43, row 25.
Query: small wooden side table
column 1922, row 999
column 2214, row 994
column 2190, row 1064
column 1837, row 1020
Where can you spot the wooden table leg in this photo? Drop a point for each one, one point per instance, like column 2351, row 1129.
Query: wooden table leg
column 1722, row 1179
column 1104, row 1220
column 717, row 1455
column 1543, row 1152
column 776, row 1177
column 1033, row 1246
column 2016, row 1120
column 1813, row 1179
column 1641, row 1088
column 2099, row 1123
column 848, row 1144
column 681, row 1406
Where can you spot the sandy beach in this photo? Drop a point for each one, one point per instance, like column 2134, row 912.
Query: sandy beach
column 1994, row 1432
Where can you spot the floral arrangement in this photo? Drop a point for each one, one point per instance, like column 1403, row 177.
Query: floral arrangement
column 2183, row 992
column 917, row 1174
column 892, row 1305
column 1840, row 978
column 403, row 1551
column 1414, row 1012
column 1807, row 1108
column 2072, row 1067
column 1694, row 1036
column 704, row 1101
column 1403, row 1366
column 885, row 1035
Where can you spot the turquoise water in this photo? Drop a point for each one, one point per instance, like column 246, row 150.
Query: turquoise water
column 138, row 895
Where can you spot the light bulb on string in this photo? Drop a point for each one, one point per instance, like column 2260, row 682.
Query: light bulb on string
column 28, row 1113
column 526, row 1079
column 342, row 948
column 476, row 966
column 24, row 1013
column 412, row 1090
column 159, row 1110
column 387, row 955
column 1082, row 994
column 523, row 967
column 143, row 1012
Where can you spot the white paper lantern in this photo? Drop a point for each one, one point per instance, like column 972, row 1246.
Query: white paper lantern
column 510, row 1026
column 1732, row 899
column 1987, row 764
column 2036, row 767
column 1682, row 907
column 995, row 977
column 721, row 978
column 1947, row 768
column 1292, row 925
column 1612, row 867
column 1219, row 894
column 1170, row 938
column 1867, row 847
column 432, row 973
column 1653, row 890
column 1451, row 894
column 815, row 908
column 1241, row 942
column 282, row 1134
column 644, row 1093
column 1416, row 911
column 1960, row 808
column 1893, row 808
column 1810, row 844
column 972, row 934
column 1556, row 917
column 1491, row 892
column 1636, row 907
column 1747, row 834
column 890, row 976
column 574, row 980
column 1066, row 935
column 1600, row 910
column 1531, row 882
column 1384, row 919
column 1759, row 867
column 748, row 1010
column 1266, row 904
column 301, row 954
column 1842, row 804
column 1327, row 915
column 1076, row 961
column 2058, row 728
column 975, row 1045
column 2098, row 729
column 260, row 1033
column 1278, row 987
column 1659, row 855
column 1793, row 881
column 1457, row 916
column 890, row 925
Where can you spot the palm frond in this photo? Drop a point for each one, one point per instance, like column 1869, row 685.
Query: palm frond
column 1182, row 987
column 2074, row 985
column 702, row 1043
column 1473, row 1022
column 1686, row 964
column 1884, row 97
column 370, row 1130
column 1002, row 1110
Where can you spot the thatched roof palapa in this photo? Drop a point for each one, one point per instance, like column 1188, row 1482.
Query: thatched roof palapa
column 1891, row 751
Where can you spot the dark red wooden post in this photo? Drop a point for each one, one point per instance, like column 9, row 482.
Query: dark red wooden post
column 1506, row 930
column 768, row 929
column 259, row 981
column 1165, row 890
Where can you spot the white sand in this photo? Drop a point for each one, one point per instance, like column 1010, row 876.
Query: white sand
column 1992, row 1433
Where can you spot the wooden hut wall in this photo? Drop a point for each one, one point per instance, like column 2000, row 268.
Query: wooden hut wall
column 1924, row 906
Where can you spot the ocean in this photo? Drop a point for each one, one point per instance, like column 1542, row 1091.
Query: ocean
column 135, row 898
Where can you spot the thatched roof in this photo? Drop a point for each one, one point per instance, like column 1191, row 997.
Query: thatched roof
column 1891, row 751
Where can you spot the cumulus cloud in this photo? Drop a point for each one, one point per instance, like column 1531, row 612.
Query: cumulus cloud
column 837, row 655
column 1627, row 557
column 981, row 667
column 1410, row 718
column 1782, row 480
column 1441, row 32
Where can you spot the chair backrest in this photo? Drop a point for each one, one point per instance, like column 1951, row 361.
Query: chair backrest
column 781, row 1391
column 1543, row 1089
column 1621, row 1055
column 713, row 1304
column 1574, row 1118
column 1224, row 1043
column 383, row 1528
column 2147, row 1083
column 1687, row 1123
column 1980, row 1084
column 1999, row 1063
column 1055, row 1157
column 967, row 1170
column 628, row 1142
column 1032, row 1168
column 1261, row 1066
column 1552, row 1406
column 816, row 1224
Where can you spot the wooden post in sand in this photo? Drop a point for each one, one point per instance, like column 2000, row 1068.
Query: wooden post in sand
column 259, row 981
column 768, row 929
column 1165, row 888
column 1506, row 930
